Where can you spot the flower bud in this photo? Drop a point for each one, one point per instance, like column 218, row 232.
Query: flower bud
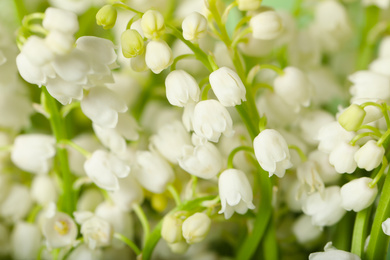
column 132, row 43
column 352, row 118
column 369, row 156
column 196, row 227
column 248, row 5
column 106, row 16
column 179, row 248
column 333, row 253
column 305, row 231
column 227, row 86
column 171, row 229
column 152, row 24
column 356, row 195
column 158, row 56
column 194, row 26
column 266, row 25
column 181, row 88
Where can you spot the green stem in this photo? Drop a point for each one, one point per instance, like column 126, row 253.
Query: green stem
column 174, row 194
column 126, row 7
column 375, row 130
column 144, row 221
column 359, row 136
column 379, row 241
column 384, row 137
column 33, row 214
column 235, row 151
column 278, row 70
column 200, row 55
column 205, row 92
column 360, row 231
column 378, row 176
column 58, row 127
column 181, row 57
column 78, row 148
column 300, row 152
column 270, row 247
column 262, row 220
column 128, row 242
column 240, row 36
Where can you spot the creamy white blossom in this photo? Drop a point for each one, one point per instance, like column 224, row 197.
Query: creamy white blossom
column 196, row 227
column 158, row 56
column 342, row 157
column 235, row 192
column 266, row 25
column 211, row 119
column 227, row 86
column 60, row 20
column 272, row 152
column 369, row 156
column 357, row 195
column 105, row 168
column 152, row 24
column 181, row 88
column 33, row 152
column 332, row 253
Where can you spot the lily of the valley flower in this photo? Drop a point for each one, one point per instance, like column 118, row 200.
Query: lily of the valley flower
column 235, row 192
column 104, row 169
column 272, row 152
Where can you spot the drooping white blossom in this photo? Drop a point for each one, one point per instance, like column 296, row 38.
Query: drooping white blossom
column 194, row 26
column 181, row 88
column 272, row 152
column 357, row 195
column 235, row 192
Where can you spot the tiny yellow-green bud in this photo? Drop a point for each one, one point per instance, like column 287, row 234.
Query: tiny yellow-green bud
column 152, row 24
column 352, row 118
column 106, row 16
column 171, row 229
column 132, row 43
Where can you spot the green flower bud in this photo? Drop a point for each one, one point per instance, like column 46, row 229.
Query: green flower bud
column 132, row 43
column 352, row 118
column 106, row 16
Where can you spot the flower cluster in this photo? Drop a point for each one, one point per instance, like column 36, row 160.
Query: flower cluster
column 256, row 127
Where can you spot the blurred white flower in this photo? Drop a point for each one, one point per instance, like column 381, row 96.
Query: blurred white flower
column 25, row 240
column 17, row 204
column 332, row 253
column 266, row 25
column 33, row 152
column 96, row 231
column 60, row 20
column 105, row 168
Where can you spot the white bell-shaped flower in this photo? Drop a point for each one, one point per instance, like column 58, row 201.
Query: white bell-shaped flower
column 59, row 43
column 272, row 152
column 235, row 192
column 15, row 110
column 380, row 66
column 32, row 73
column 120, row 221
column 305, row 231
column 37, row 51
column 325, row 209
column 181, row 88
column 102, row 106
column 170, row 140
column 211, row 119
column 327, row 172
column 153, row 172
column 129, row 193
column 115, row 138
column 105, row 168
column 96, row 231
column 17, row 204
column 158, row 56
column 33, row 152
column 89, row 199
column 331, row 135
column 43, row 190
column 25, row 240
column 386, row 226
column 196, row 227
column 356, row 195
column 227, row 86
column 367, row 84
column 59, row 229
column 342, row 157
column 64, row 91
column 293, row 87
column 188, row 116
column 72, row 67
column 332, row 253
column 369, row 156
column 60, row 20
column 266, row 25
column 310, row 124
column 309, row 178
column 194, row 26
column 203, row 160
